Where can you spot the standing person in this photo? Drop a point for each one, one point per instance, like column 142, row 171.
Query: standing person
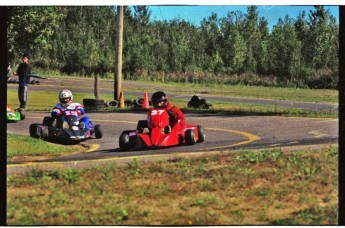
column 23, row 72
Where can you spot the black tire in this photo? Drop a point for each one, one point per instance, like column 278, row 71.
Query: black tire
column 22, row 114
column 189, row 105
column 124, row 142
column 128, row 103
column 139, row 102
column 203, row 103
column 93, row 103
column 112, row 103
column 35, row 131
column 201, row 134
column 190, row 137
column 204, row 106
column 98, row 132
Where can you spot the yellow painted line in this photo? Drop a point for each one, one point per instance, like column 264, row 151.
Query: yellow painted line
column 251, row 138
column 93, row 147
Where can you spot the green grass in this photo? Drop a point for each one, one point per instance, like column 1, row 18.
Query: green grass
column 261, row 92
column 266, row 187
column 26, row 146
column 45, row 103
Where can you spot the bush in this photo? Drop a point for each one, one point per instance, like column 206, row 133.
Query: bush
column 322, row 79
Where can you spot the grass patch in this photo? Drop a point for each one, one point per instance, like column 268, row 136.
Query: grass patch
column 18, row 145
column 39, row 103
column 266, row 187
column 262, row 92
column 46, row 102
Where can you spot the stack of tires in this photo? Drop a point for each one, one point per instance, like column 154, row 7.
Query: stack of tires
column 93, row 104
column 198, row 102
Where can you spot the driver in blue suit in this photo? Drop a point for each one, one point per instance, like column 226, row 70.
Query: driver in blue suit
column 66, row 102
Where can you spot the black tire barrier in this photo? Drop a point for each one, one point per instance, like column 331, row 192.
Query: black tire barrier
column 93, row 103
column 138, row 103
column 198, row 102
column 128, row 103
column 112, row 103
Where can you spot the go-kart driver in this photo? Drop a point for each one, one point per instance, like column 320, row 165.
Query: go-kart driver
column 160, row 100
column 66, row 102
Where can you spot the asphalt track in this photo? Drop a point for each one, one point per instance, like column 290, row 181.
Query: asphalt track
column 223, row 133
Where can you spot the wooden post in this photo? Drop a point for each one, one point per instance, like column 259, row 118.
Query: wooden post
column 96, row 87
column 118, row 71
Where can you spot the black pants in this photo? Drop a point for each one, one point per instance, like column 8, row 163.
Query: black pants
column 23, row 95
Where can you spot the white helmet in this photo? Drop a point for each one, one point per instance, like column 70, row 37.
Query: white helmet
column 65, row 93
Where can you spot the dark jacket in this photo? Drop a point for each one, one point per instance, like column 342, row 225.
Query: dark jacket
column 23, row 71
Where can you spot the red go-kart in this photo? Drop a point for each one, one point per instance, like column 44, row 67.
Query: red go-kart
column 160, row 133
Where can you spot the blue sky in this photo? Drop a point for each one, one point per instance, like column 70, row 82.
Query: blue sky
column 195, row 14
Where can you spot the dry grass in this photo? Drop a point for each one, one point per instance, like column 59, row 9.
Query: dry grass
column 242, row 188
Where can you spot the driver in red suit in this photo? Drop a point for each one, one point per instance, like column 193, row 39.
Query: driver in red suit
column 160, row 100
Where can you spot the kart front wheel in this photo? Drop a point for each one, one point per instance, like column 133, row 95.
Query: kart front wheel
column 35, row 131
column 201, row 134
column 45, row 132
column 98, row 131
column 190, row 137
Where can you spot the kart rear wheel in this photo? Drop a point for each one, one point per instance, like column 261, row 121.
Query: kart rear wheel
column 201, row 134
column 124, row 142
column 98, row 132
column 190, row 137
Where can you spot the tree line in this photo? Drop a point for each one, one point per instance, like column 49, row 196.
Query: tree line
column 238, row 48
